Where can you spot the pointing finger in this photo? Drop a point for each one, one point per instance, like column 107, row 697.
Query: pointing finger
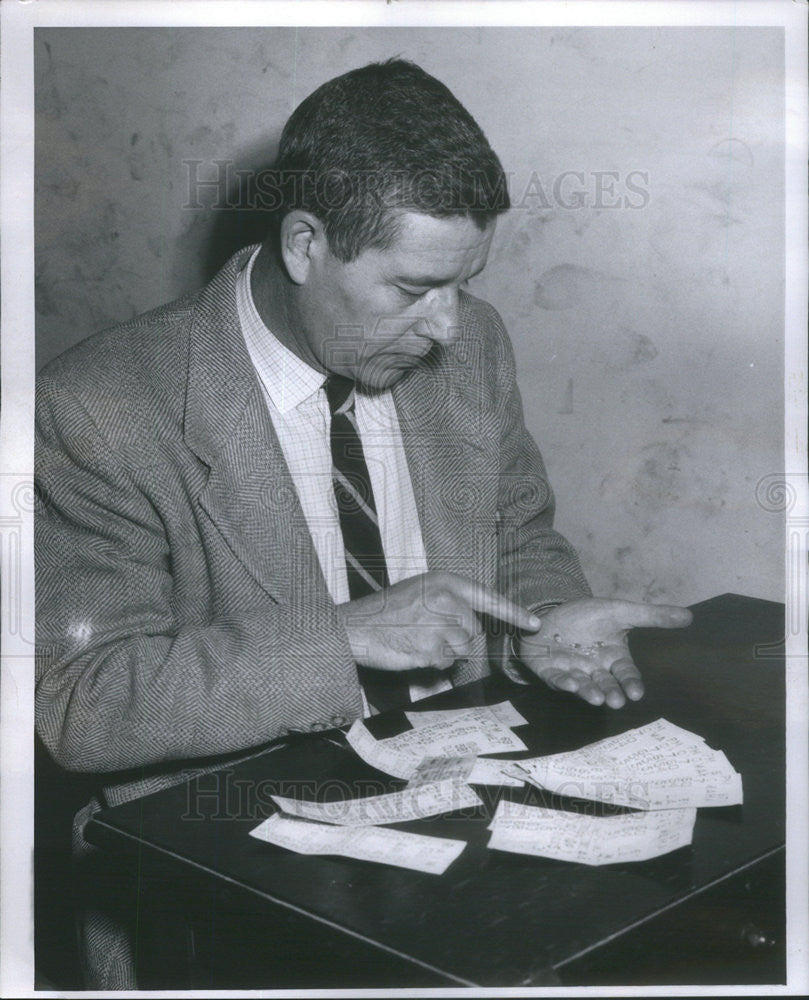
column 490, row 602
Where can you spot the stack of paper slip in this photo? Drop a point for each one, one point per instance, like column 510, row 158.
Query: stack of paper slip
column 657, row 766
column 351, row 827
column 589, row 840
column 414, row 802
column 366, row 843
column 472, row 770
column 451, row 734
column 504, row 713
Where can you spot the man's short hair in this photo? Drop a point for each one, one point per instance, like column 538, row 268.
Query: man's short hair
column 378, row 141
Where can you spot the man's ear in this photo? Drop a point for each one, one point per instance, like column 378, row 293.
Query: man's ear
column 301, row 236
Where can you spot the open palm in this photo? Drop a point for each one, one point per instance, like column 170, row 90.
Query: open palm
column 582, row 647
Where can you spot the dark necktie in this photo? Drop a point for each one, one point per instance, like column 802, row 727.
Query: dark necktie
column 365, row 559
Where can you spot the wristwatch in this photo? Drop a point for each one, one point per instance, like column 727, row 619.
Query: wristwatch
column 536, row 609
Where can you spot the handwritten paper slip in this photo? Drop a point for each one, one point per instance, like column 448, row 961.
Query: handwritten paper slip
column 658, row 766
column 457, row 738
column 473, row 770
column 377, row 754
column 504, row 713
column 365, row 843
column 400, row 755
column 589, row 840
column 416, row 802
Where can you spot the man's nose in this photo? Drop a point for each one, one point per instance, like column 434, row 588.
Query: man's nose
column 442, row 315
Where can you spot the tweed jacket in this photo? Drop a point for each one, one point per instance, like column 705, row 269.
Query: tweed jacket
column 182, row 614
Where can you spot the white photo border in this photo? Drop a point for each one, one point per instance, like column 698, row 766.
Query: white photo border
column 19, row 19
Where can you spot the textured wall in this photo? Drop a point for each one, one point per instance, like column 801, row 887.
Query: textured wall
column 643, row 291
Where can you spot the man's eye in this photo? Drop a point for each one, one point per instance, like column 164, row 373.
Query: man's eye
column 409, row 294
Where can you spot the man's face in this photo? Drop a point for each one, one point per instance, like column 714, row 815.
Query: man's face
column 375, row 318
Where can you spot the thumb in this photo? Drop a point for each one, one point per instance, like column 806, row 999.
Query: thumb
column 634, row 615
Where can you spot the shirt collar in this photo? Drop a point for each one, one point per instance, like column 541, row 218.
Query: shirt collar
column 287, row 379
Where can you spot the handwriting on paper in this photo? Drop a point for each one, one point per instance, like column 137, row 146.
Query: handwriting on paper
column 589, row 840
column 400, row 755
column 432, row 855
column 457, row 738
column 415, row 802
column 375, row 752
column 657, row 766
column 473, row 770
column 504, row 713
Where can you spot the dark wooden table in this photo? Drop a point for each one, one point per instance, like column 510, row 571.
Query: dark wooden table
column 220, row 909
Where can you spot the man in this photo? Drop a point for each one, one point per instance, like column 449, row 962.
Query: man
column 307, row 492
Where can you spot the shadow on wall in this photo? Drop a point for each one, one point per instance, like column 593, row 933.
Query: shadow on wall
column 241, row 215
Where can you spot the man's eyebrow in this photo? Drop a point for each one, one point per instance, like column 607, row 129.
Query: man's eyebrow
column 430, row 281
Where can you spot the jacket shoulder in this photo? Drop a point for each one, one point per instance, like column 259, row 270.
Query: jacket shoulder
column 483, row 326
column 146, row 349
column 129, row 380
column 138, row 371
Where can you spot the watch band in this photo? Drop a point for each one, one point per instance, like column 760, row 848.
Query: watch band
column 535, row 609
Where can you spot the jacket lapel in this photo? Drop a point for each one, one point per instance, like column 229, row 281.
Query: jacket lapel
column 249, row 495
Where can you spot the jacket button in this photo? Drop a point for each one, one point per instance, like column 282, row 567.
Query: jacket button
column 338, row 720
column 317, row 727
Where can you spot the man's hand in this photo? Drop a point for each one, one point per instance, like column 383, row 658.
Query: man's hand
column 429, row 620
column 582, row 647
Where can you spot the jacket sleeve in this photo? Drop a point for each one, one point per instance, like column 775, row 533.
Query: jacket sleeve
column 121, row 682
column 536, row 564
